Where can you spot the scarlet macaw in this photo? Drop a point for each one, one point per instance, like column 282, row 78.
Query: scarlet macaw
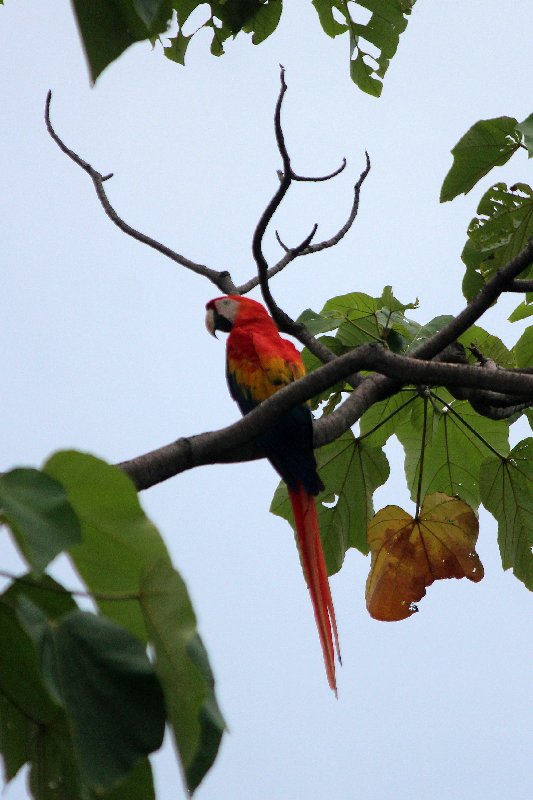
column 259, row 363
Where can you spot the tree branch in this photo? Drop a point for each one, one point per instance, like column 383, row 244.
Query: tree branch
column 475, row 309
column 221, row 279
column 290, row 255
column 235, row 442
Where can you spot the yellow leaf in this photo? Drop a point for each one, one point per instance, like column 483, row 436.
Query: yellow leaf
column 409, row 554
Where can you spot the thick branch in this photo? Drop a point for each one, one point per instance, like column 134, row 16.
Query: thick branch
column 520, row 286
column 221, row 279
column 490, row 292
column 233, row 443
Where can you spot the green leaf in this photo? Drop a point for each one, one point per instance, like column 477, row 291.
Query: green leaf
column 382, row 419
column 526, row 129
column 501, row 230
column 391, row 303
column 329, row 24
column 37, row 510
column 506, row 487
column 387, row 22
column 320, row 323
column 20, row 678
column 362, row 74
column 490, row 346
column 487, row 144
column 351, row 305
column 523, row 349
column 311, row 362
column 118, row 540
column 456, row 445
column 26, row 709
column 383, row 30
column 522, row 311
column 107, row 29
column 138, row 784
column 14, row 734
column 178, row 47
column 108, row 689
column 184, row 9
column 235, row 14
column 265, row 21
column 428, row 330
column 120, row 551
column 183, row 669
column 53, row 771
column 351, row 471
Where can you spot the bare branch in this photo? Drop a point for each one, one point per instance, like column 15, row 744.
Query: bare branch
column 221, row 279
column 331, row 175
column 318, row 246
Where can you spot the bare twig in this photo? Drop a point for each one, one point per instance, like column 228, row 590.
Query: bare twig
column 221, row 278
column 290, row 255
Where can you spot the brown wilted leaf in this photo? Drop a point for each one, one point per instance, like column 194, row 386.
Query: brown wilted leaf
column 408, row 555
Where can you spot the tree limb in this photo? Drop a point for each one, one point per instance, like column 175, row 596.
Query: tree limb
column 233, row 443
column 221, row 278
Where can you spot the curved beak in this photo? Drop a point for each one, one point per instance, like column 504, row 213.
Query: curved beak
column 210, row 322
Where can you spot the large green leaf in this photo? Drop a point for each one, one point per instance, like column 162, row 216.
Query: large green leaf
column 506, row 487
column 387, row 22
column 120, row 553
column 32, row 727
column 487, row 144
column 351, row 472
column 118, row 540
column 37, row 510
column 501, row 229
column 108, row 28
column 101, row 675
column 183, row 669
column 264, row 21
column 382, row 419
column 457, row 442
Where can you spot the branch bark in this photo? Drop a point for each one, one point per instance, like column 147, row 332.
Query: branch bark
column 235, row 442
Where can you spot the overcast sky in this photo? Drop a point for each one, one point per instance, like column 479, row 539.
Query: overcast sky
column 104, row 349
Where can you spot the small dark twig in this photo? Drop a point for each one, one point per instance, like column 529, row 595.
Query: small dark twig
column 221, row 279
column 331, row 175
column 281, row 244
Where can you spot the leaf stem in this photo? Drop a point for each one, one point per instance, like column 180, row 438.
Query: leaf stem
column 468, row 426
column 422, row 453
column 391, row 415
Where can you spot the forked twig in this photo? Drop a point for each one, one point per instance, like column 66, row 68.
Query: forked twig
column 287, row 176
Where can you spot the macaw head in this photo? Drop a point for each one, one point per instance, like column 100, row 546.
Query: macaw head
column 223, row 312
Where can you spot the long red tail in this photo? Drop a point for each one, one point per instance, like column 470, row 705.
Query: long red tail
column 305, row 516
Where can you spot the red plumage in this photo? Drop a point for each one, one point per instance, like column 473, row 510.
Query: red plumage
column 259, row 363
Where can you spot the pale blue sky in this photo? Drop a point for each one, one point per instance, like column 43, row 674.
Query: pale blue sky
column 104, row 349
